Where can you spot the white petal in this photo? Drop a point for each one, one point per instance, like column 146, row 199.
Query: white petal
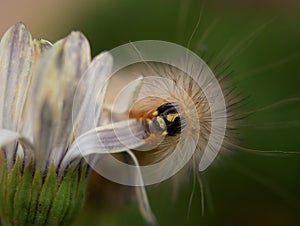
column 90, row 93
column 127, row 97
column 214, row 144
column 40, row 47
column 8, row 136
column 113, row 138
column 52, row 93
column 16, row 57
column 141, row 193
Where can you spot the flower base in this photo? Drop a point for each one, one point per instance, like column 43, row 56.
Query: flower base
column 29, row 198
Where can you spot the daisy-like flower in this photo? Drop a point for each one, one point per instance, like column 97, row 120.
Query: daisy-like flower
column 42, row 170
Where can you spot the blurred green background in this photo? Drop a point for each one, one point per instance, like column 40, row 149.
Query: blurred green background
column 264, row 41
column 261, row 41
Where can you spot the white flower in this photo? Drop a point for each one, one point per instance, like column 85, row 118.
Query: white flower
column 38, row 82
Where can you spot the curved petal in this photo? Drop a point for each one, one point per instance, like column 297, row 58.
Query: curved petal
column 113, row 138
column 90, row 93
column 40, row 46
column 7, row 137
column 141, row 193
column 51, row 97
column 127, row 98
column 16, row 59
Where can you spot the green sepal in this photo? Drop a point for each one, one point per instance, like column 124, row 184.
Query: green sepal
column 3, row 181
column 76, row 195
column 29, row 198
column 13, row 179
column 80, row 194
column 23, row 196
column 61, row 201
column 35, row 192
column 46, row 197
